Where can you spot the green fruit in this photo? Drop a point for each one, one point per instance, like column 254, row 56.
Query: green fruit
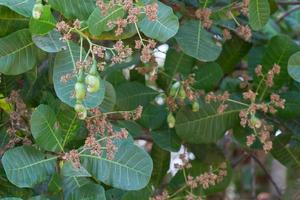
column 80, row 91
column 93, row 83
column 171, row 120
column 195, row 106
column 181, row 93
column 255, row 122
column 174, row 89
column 81, row 111
column 37, row 11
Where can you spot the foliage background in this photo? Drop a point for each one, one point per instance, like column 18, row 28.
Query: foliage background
column 33, row 59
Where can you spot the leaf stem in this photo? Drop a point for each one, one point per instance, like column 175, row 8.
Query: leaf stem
column 238, row 102
column 235, row 20
column 140, row 36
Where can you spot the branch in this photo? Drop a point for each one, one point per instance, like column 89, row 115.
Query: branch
column 267, row 173
column 288, row 13
column 288, row 3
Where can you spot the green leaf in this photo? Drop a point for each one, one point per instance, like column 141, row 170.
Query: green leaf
column 89, row 191
column 129, row 170
column 177, row 63
column 98, row 23
column 114, row 194
column 43, row 121
column 166, row 139
column 69, row 170
column 69, row 124
column 292, row 105
column 77, row 187
column 195, row 41
column 23, row 7
column 10, row 198
column 259, row 13
column 153, row 116
column 208, row 76
column 25, row 166
column 207, row 125
column 278, row 51
column 161, row 161
column 233, row 51
column 11, row 21
column 294, row 66
column 143, row 194
column 164, row 27
column 44, row 24
column 110, row 98
column 285, row 153
column 17, row 53
column 75, row 9
column 134, row 129
column 65, row 63
column 50, row 42
column 132, row 94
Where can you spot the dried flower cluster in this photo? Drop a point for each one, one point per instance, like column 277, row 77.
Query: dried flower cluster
column 185, row 162
column 18, row 118
column 244, row 32
column 64, row 28
column 123, row 52
column 137, row 114
column 72, row 156
column 98, row 125
column 208, row 179
column 222, row 98
column 181, row 91
column 204, row 15
column 146, row 50
column 244, row 7
column 226, row 34
column 151, row 11
column 249, row 116
column 163, row 196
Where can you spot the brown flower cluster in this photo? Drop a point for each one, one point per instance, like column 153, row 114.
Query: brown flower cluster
column 263, row 134
column 163, row 196
column 72, row 156
column 99, row 51
column 261, row 129
column 226, row 34
column 98, row 125
column 64, row 28
column 151, row 11
column 244, row 32
column 204, row 15
column 185, row 162
column 270, row 75
column 244, row 7
column 79, row 65
column 122, row 51
column 212, row 97
column 137, row 114
column 208, row 179
column 180, row 92
column 192, row 197
column 18, row 118
column 146, row 53
column 190, row 94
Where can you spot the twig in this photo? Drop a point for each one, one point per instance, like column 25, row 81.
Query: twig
column 145, row 137
column 288, row 3
column 288, row 13
column 267, row 173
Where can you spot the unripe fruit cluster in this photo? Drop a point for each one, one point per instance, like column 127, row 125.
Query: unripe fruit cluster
column 37, row 9
column 91, row 84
